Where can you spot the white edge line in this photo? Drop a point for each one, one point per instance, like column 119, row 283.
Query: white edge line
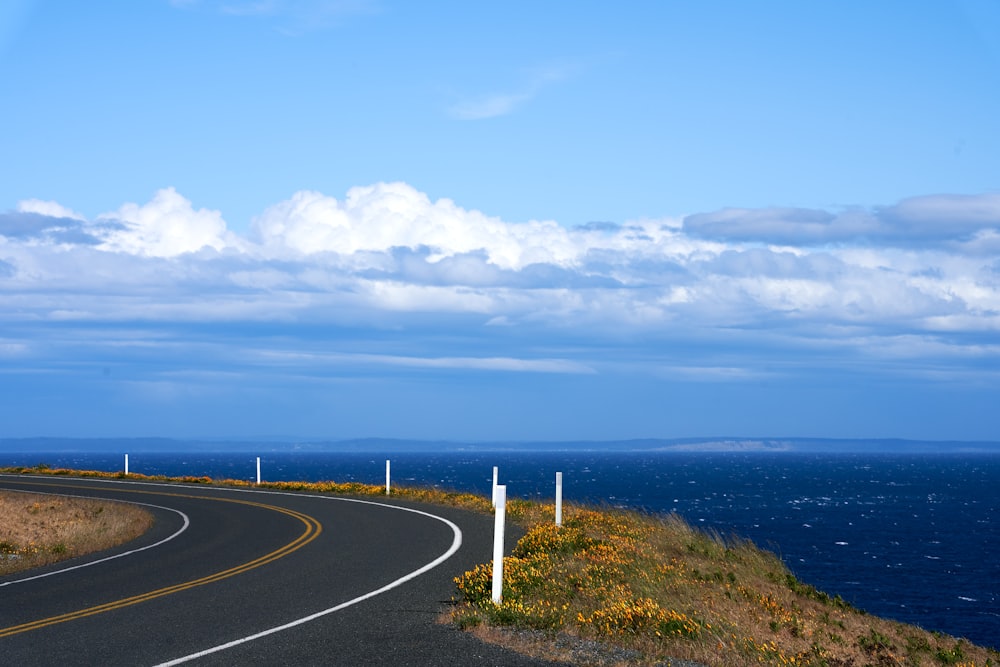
column 184, row 526
column 456, row 543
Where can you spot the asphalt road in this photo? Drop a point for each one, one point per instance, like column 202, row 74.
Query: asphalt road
column 245, row 577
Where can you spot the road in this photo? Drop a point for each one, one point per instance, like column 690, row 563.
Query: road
column 238, row 577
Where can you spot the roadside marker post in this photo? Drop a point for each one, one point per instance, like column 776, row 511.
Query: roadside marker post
column 559, row 499
column 498, row 527
column 495, row 473
column 258, row 471
column 387, row 477
column 126, row 464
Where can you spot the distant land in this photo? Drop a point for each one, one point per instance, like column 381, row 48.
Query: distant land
column 389, row 445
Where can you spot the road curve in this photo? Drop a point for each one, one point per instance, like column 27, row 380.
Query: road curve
column 240, row 576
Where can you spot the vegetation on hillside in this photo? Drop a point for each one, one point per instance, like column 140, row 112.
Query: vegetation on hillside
column 659, row 589
column 40, row 529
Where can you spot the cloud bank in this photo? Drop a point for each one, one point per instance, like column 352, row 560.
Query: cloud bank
column 911, row 222
column 908, row 282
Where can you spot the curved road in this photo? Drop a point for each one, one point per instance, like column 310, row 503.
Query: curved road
column 238, row 577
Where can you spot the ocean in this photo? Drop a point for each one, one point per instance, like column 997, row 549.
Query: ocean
column 913, row 537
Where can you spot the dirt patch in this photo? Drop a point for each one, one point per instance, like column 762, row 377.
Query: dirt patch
column 40, row 529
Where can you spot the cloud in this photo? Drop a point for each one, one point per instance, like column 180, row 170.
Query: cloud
column 380, row 217
column 49, row 209
column 944, row 216
column 458, row 289
column 166, row 226
column 505, row 364
column 494, row 104
column 27, row 225
column 490, row 106
column 776, row 225
column 969, row 219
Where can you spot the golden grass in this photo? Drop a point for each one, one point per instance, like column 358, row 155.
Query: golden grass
column 658, row 588
column 40, row 529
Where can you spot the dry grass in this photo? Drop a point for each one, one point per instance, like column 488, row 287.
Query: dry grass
column 41, row 529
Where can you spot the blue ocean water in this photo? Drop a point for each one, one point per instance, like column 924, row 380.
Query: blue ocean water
column 910, row 537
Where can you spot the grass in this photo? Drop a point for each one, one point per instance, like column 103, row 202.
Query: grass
column 637, row 589
column 37, row 530
column 657, row 588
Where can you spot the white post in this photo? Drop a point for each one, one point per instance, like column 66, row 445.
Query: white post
column 495, row 472
column 498, row 527
column 126, row 464
column 387, row 477
column 258, row 471
column 558, row 498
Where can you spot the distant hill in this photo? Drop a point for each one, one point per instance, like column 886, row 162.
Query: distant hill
column 389, row 445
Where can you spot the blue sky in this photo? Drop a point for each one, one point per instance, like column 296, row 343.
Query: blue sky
column 346, row 218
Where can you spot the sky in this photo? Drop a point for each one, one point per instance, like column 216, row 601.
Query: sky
column 500, row 221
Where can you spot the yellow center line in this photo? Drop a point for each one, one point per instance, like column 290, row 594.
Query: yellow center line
column 312, row 531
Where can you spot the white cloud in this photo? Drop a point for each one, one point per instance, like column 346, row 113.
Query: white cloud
column 387, row 256
column 166, row 226
column 47, row 208
column 401, row 297
column 713, row 373
column 489, row 106
column 508, row 364
column 380, row 217
column 494, row 104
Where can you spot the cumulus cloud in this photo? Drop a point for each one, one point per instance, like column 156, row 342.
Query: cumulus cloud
column 164, row 227
column 388, row 215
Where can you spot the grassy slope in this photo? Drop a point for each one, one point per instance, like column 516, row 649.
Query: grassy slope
column 657, row 588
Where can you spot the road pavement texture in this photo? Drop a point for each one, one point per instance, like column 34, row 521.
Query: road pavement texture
column 222, row 565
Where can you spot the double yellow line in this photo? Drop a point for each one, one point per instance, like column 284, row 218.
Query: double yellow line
column 312, row 530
